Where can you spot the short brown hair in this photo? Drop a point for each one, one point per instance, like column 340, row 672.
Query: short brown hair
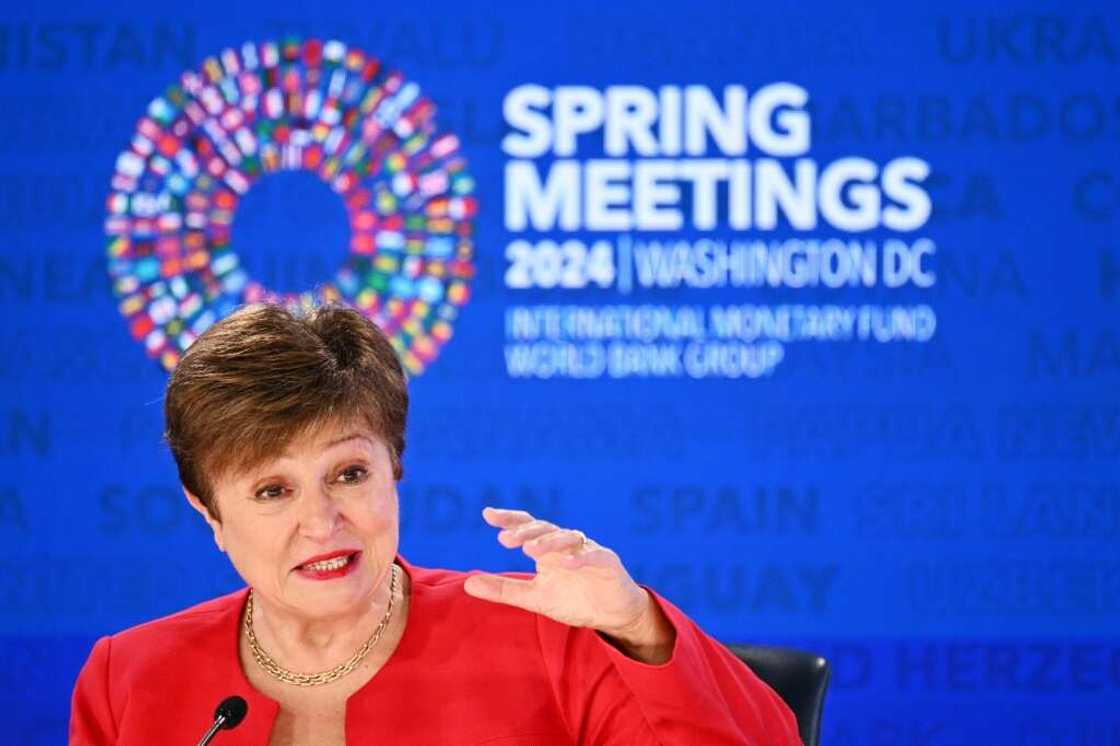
column 264, row 376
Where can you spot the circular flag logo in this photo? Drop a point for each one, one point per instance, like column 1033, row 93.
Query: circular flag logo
column 307, row 105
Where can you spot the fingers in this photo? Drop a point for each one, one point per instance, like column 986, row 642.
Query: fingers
column 502, row 590
column 502, row 518
column 518, row 526
column 518, row 535
column 559, row 540
column 538, row 538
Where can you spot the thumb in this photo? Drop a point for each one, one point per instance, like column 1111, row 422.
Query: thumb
column 501, row 590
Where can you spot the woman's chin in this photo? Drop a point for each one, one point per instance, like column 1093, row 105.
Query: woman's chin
column 338, row 593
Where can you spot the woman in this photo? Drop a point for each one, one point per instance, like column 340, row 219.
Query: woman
column 288, row 432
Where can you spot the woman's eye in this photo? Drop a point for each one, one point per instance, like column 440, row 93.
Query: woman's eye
column 352, row 475
column 271, row 492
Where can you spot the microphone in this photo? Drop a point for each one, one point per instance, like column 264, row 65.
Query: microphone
column 229, row 714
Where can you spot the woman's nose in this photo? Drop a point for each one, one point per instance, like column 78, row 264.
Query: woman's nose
column 319, row 516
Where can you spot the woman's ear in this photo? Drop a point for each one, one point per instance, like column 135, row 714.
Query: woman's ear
column 214, row 523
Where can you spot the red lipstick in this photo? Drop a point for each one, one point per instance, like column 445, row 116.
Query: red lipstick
column 345, row 561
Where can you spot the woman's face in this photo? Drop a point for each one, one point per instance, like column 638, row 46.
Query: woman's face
column 315, row 531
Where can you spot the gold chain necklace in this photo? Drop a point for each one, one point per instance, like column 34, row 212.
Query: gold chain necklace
column 276, row 671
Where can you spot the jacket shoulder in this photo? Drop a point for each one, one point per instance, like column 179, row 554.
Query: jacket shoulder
column 181, row 663
column 198, row 629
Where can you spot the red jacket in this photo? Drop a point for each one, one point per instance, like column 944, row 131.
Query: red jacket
column 465, row 672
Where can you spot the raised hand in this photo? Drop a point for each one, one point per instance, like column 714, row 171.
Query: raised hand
column 578, row 582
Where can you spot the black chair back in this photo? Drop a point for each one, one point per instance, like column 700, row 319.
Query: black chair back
column 799, row 678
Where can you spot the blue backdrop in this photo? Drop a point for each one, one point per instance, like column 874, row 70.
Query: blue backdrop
column 854, row 390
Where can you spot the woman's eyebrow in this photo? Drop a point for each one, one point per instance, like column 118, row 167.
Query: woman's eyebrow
column 345, row 438
column 287, row 455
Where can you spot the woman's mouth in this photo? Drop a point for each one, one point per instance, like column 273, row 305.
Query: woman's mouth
column 326, row 567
